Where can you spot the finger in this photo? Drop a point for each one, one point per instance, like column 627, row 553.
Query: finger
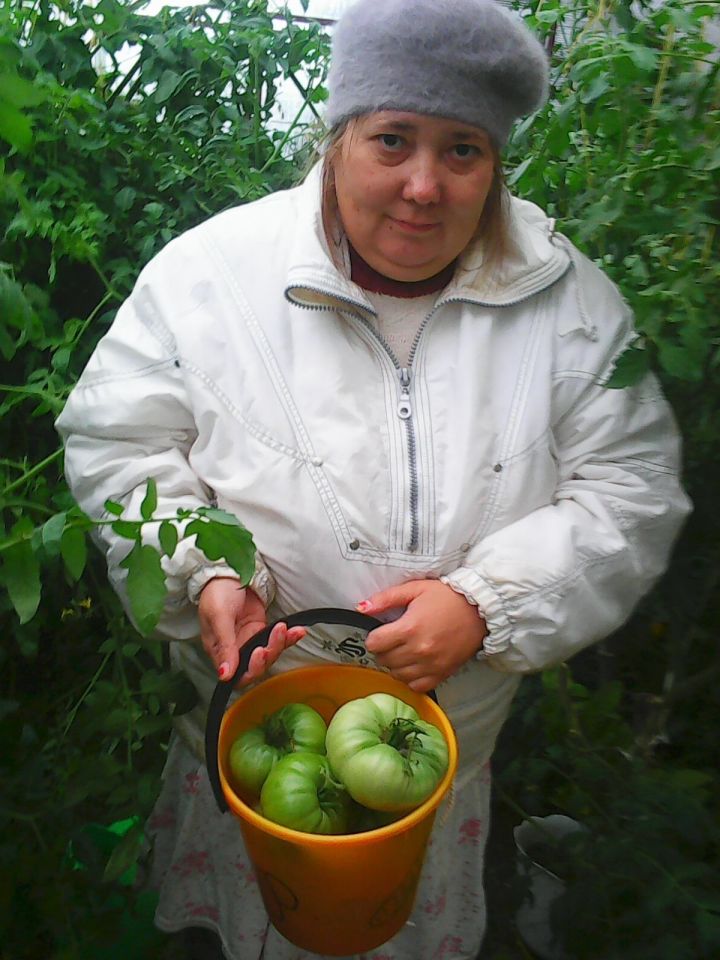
column 401, row 661
column 417, row 678
column 425, row 684
column 398, row 596
column 243, row 634
column 264, row 657
column 218, row 638
column 389, row 636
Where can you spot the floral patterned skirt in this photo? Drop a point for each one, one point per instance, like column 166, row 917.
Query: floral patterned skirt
column 204, row 878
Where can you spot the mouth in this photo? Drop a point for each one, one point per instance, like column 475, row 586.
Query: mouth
column 412, row 227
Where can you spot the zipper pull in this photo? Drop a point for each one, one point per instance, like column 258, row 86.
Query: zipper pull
column 404, row 408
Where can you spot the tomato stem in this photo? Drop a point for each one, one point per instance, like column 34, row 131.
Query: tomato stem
column 404, row 735
column 277, row 734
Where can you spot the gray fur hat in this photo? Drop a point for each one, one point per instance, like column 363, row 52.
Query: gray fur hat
column 468, row 60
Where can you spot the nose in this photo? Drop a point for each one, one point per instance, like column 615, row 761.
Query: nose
column 423, row 183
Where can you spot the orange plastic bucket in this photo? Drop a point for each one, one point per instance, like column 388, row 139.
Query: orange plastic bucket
column 335, row 895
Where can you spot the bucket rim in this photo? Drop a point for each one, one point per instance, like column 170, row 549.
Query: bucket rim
column 411, row 819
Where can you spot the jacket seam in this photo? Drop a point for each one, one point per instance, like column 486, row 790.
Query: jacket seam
column 546, row 435
column 514, row 419
column 600, row 381
column 252, row 428
column 397, row 449
column 322, row 484
column 562, row 582
column 430, row 508
column 90, row 382
column 154, row 324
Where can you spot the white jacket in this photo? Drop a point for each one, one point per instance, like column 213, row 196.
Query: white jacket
column 243, row 371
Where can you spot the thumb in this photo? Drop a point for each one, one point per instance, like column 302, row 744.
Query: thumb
column 398, row 596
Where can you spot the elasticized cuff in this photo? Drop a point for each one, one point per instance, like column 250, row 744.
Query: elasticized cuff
column 491, row 606
column 204, row 575
column 261, row 583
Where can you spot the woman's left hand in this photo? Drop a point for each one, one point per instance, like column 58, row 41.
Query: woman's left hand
column 438, row 632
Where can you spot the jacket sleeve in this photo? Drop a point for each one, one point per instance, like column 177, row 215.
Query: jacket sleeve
column 127, row 419
column 571, row 572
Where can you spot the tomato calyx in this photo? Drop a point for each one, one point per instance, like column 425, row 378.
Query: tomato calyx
column 277, row 734
column 404, row 735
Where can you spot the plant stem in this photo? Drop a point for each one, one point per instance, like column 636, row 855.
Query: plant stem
column 108, row 285
column 85, row 694
column 278, row 149
column 660, row 85
column 110, row 295
column 32, row 472
column 256, row 112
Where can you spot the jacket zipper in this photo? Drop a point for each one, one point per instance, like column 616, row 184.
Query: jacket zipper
column 405, row 413
column 404, row 405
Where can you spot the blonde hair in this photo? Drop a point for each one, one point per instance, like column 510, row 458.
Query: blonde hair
column 492, row 229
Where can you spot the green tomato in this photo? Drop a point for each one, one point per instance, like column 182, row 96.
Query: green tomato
column 387, row 757
column 294, row 727
column 300, row 792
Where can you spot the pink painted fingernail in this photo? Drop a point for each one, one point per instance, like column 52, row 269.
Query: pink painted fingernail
column 364, row 605
column 224, row 670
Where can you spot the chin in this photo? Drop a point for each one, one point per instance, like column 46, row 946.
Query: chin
column 411, row 273
column 398, row 268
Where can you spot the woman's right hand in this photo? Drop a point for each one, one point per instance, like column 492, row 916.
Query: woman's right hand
column 229, row 616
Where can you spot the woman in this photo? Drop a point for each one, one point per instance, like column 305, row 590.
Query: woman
column 393, row 376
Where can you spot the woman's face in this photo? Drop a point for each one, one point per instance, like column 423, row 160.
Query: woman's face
column 411, row 189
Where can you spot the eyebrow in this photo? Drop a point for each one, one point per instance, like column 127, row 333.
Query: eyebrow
column 405, row 126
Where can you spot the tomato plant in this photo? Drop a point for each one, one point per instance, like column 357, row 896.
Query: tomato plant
column 294, row 728
column 387, row 757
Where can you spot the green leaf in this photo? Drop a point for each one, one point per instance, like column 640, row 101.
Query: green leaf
column 125, row 857
column 129, row 529
column 146, row 586
column 52, row 532
column 644, row 58
column 15, row 127
column 631, row 366
column 149, row 504
column 114, row 508
column 125, row 198
column 220, row 541
column 20, row 92
column 679, row 362
column 15, row 308
column 8, row 346
column 73, row 549
column 169, row 82
column 595, row 89
column 168, row 537
column 221, row 516
column 21, row 571
column 549, row 16
column 515, row 175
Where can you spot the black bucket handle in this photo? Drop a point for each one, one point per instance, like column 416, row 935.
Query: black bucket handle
column 223, row 690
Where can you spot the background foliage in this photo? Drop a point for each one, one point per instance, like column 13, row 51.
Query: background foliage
column 100, row 165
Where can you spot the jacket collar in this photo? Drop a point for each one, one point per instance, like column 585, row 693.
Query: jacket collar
column 537, row 258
